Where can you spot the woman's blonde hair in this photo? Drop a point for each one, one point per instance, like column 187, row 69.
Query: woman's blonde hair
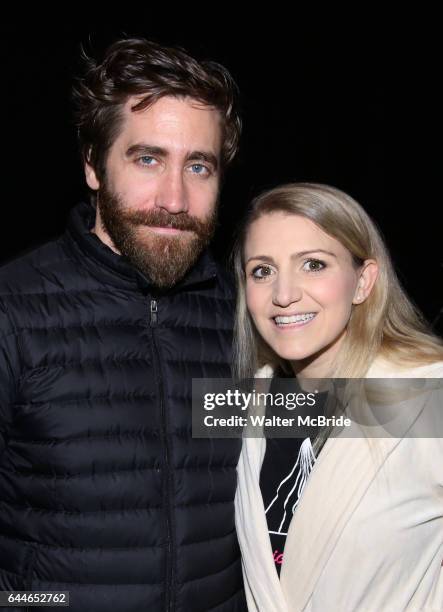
column 386, row 324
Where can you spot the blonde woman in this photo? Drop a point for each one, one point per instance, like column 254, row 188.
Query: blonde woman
column 361, row 531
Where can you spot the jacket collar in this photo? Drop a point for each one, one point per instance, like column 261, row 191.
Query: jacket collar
column 115, row 268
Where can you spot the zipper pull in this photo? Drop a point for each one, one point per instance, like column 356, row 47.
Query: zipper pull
column 154, row 312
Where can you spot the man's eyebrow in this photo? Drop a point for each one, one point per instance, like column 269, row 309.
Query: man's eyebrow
column 145, row 149
column 269, row 259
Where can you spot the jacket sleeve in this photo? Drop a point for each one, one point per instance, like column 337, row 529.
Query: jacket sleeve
column 7, row 377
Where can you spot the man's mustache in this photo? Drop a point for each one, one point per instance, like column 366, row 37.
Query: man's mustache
column 159, row 217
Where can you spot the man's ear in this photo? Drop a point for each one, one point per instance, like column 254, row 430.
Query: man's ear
column 368, row 276
column 91, row 177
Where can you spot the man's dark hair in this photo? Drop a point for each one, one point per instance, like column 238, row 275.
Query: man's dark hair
column 135, row 66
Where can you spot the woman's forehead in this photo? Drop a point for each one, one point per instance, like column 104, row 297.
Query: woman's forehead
column 278, row 231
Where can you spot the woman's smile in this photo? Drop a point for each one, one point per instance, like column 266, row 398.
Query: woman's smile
column 296, row 321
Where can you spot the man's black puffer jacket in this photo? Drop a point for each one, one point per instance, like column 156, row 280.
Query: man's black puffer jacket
column 103, row 491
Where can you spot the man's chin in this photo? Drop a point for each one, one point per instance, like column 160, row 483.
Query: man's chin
column 164, row 259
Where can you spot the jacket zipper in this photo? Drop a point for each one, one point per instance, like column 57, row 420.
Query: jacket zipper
column 169, row 590
column 154, row 310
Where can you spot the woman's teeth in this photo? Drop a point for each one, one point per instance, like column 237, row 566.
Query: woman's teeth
column 301, row 318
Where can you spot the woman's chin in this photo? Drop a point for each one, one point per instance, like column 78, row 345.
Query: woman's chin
column 298, row 353
column 318, row 358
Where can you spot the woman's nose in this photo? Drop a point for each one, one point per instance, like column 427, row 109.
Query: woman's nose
column 286, row 292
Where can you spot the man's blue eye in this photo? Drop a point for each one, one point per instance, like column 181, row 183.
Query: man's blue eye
column 198, row 168
column 146, row 160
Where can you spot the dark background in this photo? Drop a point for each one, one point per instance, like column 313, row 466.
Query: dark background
column 355, row 106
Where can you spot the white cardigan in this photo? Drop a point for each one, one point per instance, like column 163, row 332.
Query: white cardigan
column 367, row 535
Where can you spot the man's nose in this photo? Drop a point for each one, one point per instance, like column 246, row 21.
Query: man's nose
column 287, row 290
column 172, row 193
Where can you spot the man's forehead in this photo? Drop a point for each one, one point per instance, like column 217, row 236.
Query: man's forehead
column 172, row 120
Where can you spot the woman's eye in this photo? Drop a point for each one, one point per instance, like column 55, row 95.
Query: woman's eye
column 313, row 265
column 261, row 272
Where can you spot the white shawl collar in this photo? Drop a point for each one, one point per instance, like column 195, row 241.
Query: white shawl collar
column 332, row 493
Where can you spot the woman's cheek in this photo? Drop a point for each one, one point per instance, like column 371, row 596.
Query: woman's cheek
column 257, row 301
column 251, row 297
column 335, row 290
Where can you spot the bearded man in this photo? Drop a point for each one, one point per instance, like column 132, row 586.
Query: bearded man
column 103, row 491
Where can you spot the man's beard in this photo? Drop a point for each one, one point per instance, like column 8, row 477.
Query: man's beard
column 163, row 259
